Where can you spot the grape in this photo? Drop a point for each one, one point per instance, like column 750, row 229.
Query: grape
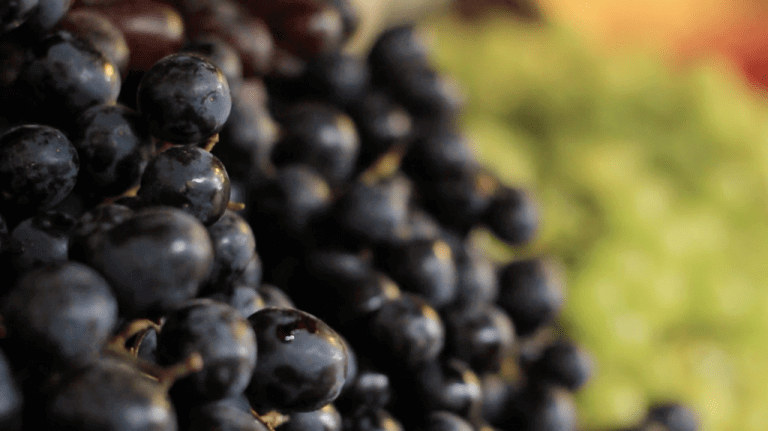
column 146, row 289
column 111, row 394
column 155, row 260
column 99, row 31
column 222, row 337
column 301, row 364
column 184, row 98
column 60, row 313
column 13, row 14
column 65, row 77
column 38, row 167
column 11, row 402
column 326, row 419
column 114, row 147
column 189, row 178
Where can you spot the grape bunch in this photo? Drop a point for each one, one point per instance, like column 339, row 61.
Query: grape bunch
column 214, row 218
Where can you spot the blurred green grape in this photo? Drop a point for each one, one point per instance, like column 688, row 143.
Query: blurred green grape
column 653, row 186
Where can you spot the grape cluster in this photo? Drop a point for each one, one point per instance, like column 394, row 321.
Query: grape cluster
column 213, row 218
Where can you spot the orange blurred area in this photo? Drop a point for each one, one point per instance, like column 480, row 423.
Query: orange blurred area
column 663, row 24
column 682, row 31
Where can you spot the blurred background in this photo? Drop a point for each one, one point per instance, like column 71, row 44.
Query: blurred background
column 642, row 127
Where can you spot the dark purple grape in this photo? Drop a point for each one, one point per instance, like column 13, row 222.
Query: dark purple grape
column 218, row 416
column 352, row 365
column 41, row 240
column 565, row 364
column 513, row 216
column 541, row 408
column 245, row 299
column 65, row 77
column 349, row 16
column 148, row 346
column 234, row 245
column 372, row 420
column 221, row 54
column 253, row 272
column 90, row 230
column 74, row 205
column 344, row 288
column 237, row 193
column 377, row 212
column 431, row 97
column 11, row 403
column 382, row 125
column 111, row 395
column 249, row 134
column 395, row 48
column 223, row 338
column 189, row 178
column 497, row 395
column 531, row 291
column 339, row 78
column 448, row 385
column 99, row 31
column 44, row 17
column 15, row 13
column 114, row 148
column 422, row 226
column 477, row 279
column 326, row 418
column 673, row 416
column 460, row 203
column 424, row 267
column 446, row 421
column 274, row 297
column 320, row 136
column 155, row 260
column 370, row 389
column 407, row 330
column 38, row 168
column 301, row 362
column 294, row 198
column 62, row 313
column 441, row 155
column 184, row 98
column 483, row 338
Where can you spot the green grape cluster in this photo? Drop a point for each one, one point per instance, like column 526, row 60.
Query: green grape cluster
column 654, row 188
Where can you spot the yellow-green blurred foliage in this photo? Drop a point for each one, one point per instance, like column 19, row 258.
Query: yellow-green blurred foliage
column 654, row 193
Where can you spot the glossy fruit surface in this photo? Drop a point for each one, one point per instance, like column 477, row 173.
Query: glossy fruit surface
column 155, row 260
column 222, row 337
column 189, row 178
column 184, row 98
column 38, row 167
column 301, row 363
